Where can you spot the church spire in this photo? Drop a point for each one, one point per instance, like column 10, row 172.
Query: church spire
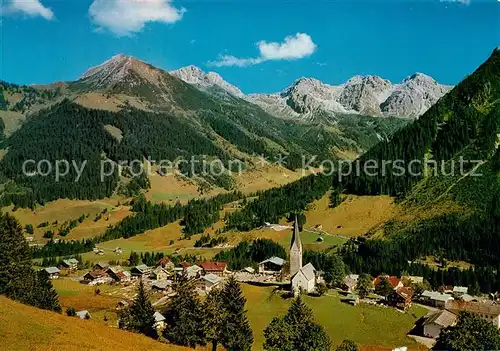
column 295, row 250
column 296, row 242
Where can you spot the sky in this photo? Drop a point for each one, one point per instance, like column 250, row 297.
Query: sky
column 257, row 45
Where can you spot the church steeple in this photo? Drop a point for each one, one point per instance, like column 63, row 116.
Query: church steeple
column 295, row 250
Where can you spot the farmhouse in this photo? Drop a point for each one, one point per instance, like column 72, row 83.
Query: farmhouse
column 70, row 264
column 435, row 298
column 140, row 271
column 249, row 270
column 159, row 274
column 52, row 272
column 161, row 285
column 83, row 314
column 217, row 268
column 350, row 282
column 208, row 282
column 459, row 290
column 272, row 265
column 97, row 276
column 400, row 298
column 101, row 265
column 166, row 264
column 118, row 274
column 437, row 321
column 394, row 281
column 159, row 320
column 304, row 279
column 488, row 312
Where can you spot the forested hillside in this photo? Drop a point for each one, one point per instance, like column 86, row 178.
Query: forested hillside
column 456, row 197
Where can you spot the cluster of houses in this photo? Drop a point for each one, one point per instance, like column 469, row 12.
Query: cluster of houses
column 446, row 303
column 401, row 296
column 450, row 302
column 69, row 265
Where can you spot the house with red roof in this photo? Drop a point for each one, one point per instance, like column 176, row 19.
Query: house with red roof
column 217, row 268
column 394, row 281
column 166, row 264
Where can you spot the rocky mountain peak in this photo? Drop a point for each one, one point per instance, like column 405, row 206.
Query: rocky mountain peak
column 196, row 76
column 371, row 95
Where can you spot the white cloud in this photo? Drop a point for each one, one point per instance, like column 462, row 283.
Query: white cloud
column 293, row 47
column 32, row 8
column 124, row 17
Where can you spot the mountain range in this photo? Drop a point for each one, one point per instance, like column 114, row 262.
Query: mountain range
column 126, row 108
column 307, row 97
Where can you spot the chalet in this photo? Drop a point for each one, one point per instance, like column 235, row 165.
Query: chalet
column 208, row 282
column 394, row 281
column 272, row 265
column 159, row 320
column 217, row 268
column 158, row 274
column 304, row 280
column 161, row 285
column 83, row 314
column 459, row 290
column 191, row 272
column 489, row 312
column 400, row 298
column 70, row 264
column 123, row 276
column 249, row 270
column 52, row 272
column 118, row 274
column 101, row 265
column 140, row 271
column 434, row 298
column 437, row 321
column 466, row 298
column 97, row 276
column 350, row 282
column 166, row 264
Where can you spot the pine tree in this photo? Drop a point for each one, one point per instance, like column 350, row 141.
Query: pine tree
column 184, row 316
column 46, row 295
column 236, row 332
column 214, row 316
column 363, row 286
column 17, row 279
column 296, row 331
column 140, row 316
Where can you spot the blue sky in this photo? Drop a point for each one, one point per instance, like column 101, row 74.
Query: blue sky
column 43, row 41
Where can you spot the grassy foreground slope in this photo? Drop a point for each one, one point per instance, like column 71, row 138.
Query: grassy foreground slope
column 27, row 328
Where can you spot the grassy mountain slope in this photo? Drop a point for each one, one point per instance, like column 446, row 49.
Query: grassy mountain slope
column 27, row 328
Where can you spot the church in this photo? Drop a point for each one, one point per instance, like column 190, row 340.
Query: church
column 303, row 277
